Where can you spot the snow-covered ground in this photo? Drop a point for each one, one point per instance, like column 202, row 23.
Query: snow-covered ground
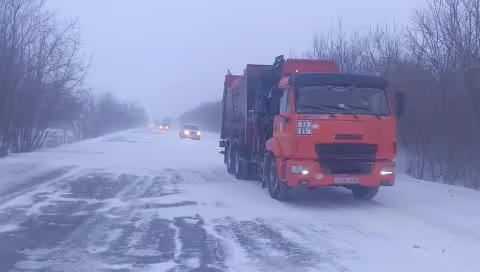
column 144, row 201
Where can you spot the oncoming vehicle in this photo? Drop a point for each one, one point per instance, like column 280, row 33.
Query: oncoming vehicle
column 164, row 127
column 190, row 132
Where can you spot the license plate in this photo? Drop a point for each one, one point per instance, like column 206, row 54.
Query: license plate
column 346, row 180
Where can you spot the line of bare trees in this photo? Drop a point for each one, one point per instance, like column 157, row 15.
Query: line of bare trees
column 207, row 115
column 104, row 113
column 436, row 61
column 42, row 73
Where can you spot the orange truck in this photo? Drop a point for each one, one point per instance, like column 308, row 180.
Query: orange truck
column 304, row 124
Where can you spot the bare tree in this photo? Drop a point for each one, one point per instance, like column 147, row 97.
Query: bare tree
column 444, row 40
column 104, row 113
column 367, row 51
column 40, row 67
column 347, row 49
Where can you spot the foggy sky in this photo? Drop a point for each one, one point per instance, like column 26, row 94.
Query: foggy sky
column 172, row 55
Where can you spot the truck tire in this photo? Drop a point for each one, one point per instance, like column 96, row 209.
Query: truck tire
column 240, row 167
column 265, row 170
column 364, row 193
column 277, row 189
column 230, row 160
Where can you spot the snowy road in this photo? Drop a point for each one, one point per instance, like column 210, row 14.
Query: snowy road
column 141, row 201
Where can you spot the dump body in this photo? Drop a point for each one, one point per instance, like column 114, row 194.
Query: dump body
column 239, row 100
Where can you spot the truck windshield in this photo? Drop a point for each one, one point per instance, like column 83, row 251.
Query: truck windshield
column 341, row 100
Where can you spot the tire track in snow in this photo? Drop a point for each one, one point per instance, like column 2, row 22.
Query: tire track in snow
column 62, row 222
column 268, row 249
column 33, row 184
column 106, row 222
column 197, row 250
column 130, row 249
column 124, row 233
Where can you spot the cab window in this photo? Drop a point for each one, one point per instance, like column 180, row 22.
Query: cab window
column 285, row 102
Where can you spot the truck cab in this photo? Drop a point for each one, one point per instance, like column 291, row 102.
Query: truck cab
column 334, row 129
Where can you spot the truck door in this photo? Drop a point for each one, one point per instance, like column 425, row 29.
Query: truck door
column 282, row 123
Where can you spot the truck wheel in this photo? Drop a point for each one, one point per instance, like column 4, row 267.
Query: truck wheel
column 364, row 193
column 230, row 160
column 277, row 189
column 265, row 170
column 240, row 167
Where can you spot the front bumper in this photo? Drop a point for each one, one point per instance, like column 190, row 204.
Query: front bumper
column 316, row 177
column 193, row 137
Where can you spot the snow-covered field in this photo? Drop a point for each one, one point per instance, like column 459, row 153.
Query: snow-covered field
column 143, row 201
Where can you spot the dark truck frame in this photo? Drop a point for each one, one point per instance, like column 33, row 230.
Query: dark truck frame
column 246, row 120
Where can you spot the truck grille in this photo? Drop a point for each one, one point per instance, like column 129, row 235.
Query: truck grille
column 354, row 159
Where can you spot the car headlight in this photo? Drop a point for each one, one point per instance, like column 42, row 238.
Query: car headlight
column 186, row 132
column 300, row 170
column 161, row 127
column 198, row 133
column 387, row 171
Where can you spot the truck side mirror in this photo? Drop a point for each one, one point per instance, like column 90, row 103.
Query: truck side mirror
column 399, row 103
column 275, row 97
column 274, row 106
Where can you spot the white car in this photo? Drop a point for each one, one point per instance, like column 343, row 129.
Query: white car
column 190, row 132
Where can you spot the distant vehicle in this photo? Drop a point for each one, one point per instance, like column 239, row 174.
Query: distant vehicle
column 164, row 126
column 190, row 132
column 154, row 125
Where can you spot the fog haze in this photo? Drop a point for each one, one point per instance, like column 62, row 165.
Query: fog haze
column 373, row 167
column 172, row 55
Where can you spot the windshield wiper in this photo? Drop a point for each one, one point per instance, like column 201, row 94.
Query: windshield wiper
column 351, row 112
column 363, row 108
column 322, row 107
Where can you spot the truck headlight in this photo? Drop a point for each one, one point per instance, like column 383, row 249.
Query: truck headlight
column 198, row 133
column 300, row 170
column 187, row 132
column 387, row 171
